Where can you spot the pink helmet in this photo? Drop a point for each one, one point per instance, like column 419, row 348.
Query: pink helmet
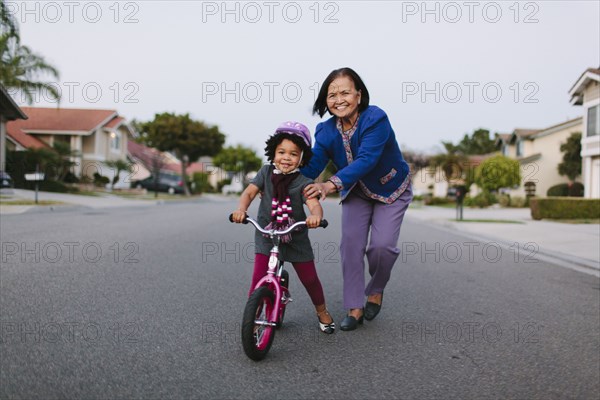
column 295, row 128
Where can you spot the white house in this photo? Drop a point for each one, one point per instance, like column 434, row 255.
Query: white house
column 586, row 92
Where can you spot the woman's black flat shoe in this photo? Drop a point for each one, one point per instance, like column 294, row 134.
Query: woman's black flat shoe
column 372, row 309
column 350, row 323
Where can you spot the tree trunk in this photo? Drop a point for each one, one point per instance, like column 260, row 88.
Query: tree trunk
column 186, row 190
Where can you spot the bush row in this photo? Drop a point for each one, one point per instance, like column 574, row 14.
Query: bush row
column 565, row 208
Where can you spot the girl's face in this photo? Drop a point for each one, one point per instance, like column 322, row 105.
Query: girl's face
column 343, row 98
column 287, row 156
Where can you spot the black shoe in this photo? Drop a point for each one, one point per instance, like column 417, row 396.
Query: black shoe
column 372, row 309
column 326, row 328
column 350, row 323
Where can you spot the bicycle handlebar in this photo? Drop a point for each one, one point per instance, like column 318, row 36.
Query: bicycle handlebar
column 246, row 220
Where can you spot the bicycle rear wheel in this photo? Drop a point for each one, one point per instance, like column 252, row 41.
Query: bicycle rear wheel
column 257, row 329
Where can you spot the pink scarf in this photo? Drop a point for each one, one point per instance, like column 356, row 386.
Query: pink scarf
column 281, row 205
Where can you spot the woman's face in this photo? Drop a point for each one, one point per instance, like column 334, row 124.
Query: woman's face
column 343, row 98
column 287, row 156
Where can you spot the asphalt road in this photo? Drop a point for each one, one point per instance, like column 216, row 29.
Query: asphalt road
column 147, row 303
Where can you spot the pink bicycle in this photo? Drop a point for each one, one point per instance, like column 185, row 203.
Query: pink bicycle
column 263, row 313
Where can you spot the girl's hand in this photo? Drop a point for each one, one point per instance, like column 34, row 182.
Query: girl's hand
column 238, row 216
column 313, row 221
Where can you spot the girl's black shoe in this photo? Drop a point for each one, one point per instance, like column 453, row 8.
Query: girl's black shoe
column 326, row 328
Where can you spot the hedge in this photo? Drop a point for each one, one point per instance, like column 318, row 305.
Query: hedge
column 564, row 208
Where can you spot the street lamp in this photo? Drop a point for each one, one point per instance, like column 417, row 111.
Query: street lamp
column 530, row 189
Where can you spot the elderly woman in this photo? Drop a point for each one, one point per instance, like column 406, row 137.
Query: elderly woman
column 374, row 183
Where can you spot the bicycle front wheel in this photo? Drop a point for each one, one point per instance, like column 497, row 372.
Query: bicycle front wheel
column 257, row 329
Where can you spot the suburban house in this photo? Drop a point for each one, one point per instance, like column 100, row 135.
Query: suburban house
column 432, row 180
column 9, row 111
column 538, row 152
column 586, row 92
column 146, row 159
column 503, row 143
column 96, row 135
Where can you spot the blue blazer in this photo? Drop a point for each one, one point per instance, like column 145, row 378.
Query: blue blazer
column 377, row 159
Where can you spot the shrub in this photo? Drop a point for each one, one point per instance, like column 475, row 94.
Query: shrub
column 100, row 180
column 518, row 201
column 223, row 183
column 432, row 201
column 565, row 189
column 564, row 208
column 482, row 200
column 201, row 184
column 48, row 186
column 576, row 189
column 504, row 200
column 561, row 190
column 71, row 178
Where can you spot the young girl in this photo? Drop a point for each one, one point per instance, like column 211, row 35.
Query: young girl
column 281, row 205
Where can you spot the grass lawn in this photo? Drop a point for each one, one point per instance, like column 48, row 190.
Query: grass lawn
column 499, row 221
column 575, row 221
column 150, row 196
column 24, row 202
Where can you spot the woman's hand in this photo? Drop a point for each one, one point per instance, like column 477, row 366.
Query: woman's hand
column 313, row 221
column 238, row 216
column 319, row 190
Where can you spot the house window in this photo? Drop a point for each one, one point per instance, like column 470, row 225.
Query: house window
column 505, row 149
column 115, row 141
column 593, row 121
column 520, row 145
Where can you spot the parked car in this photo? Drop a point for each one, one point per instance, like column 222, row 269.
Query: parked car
column 233, row 187
column 5, row 180
column 169, row 183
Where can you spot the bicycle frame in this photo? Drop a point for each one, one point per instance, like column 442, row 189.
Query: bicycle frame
column 275, row 267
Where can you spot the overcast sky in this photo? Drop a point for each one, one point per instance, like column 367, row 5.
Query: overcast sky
column 439, row 69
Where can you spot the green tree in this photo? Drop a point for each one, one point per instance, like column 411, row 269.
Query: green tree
column 498, row 172
column 571, row 164
column 239, row 159
column 186, row 138
column 478, row 143
column 21, row 68
column 119, row 166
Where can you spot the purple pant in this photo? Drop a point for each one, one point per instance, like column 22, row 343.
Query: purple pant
column 359, row 216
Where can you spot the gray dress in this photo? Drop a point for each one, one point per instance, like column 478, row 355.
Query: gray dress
column 299, row 248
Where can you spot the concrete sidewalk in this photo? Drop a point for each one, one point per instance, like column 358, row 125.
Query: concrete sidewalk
column 69, row 200
column 576, row 246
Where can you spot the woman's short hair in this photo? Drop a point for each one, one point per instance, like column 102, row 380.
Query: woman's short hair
column 276, row 139
column 320, row 105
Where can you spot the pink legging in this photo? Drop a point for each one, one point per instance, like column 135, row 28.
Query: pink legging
column 306, row 272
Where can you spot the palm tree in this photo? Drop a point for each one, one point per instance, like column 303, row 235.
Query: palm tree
column 7, row 21
column 20, row 68
column 452, row 162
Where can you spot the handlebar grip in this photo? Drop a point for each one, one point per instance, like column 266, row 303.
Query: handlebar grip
column 245, row 221
column 324, row 223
